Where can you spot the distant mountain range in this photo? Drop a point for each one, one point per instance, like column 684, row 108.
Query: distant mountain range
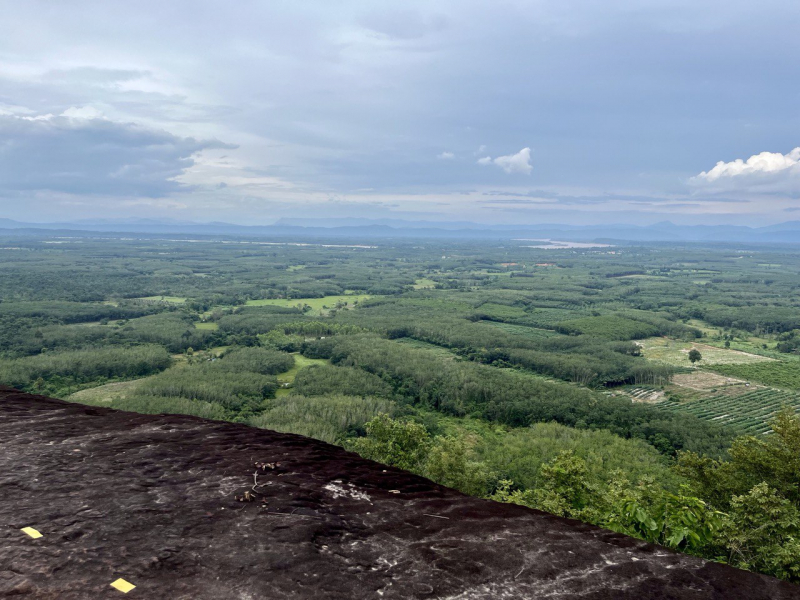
column 366, row 229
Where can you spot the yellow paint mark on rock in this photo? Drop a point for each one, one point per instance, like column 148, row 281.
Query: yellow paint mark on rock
column 31, row 532
column 123, row 586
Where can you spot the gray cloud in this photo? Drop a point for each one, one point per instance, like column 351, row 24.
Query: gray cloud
column 335, row 97
column 92, row 156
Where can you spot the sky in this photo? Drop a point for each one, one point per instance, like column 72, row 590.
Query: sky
column 567, row 111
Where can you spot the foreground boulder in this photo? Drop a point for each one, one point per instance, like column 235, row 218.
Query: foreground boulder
column 184, row 508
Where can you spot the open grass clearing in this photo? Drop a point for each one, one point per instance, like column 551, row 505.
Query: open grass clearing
column 319, row 306
column 707, row 329
column 676, row 353
column 206, row 326
column 753, row 344
column 106, row 394
column 424, row 284
column 285, row 380
column 119, row 390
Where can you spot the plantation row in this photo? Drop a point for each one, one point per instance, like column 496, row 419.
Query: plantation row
column 749, row 413
column 783, row 374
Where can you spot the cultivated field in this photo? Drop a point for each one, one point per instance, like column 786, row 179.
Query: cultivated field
column 781, row 374
column 747, row 413
column 646, row 394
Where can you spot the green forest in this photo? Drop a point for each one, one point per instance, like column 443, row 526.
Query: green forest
column 649, row 389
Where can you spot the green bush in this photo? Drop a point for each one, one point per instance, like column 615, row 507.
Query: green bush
column 73, row 367
column 331, row 419
column 321, row 380
column 170, row 405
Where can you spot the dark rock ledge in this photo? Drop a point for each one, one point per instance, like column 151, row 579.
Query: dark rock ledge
column 152, row 499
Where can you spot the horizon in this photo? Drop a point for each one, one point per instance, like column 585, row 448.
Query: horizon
column 391, row 222
column 531, row 114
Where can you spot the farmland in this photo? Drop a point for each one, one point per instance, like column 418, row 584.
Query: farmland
column 575, row 317
column 748, row 413
column 777, row 374
column 498, row 364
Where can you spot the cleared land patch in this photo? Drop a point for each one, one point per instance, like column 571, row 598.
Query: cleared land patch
column 704, row 380
column 319, row 306
column 106, row 394
column 424, row 284
column 285, row 380
column 118, row 391
column 676, row 353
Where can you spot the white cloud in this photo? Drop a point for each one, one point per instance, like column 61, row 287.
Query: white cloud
column 446, row 156
column 764, row 164
column 82, row 112
column 762, row 176
column 512, row 163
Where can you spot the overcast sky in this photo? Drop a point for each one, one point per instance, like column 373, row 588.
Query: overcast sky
column 505, row 111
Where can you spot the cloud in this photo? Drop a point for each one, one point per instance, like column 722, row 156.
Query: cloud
column 78, row 153
column 766, row 162
column 513, row 163
column 767, row 172
column 446, row 156
column 336, row 97
column 82, row 112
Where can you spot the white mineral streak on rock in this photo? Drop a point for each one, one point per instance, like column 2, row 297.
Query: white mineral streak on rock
column 338, row 490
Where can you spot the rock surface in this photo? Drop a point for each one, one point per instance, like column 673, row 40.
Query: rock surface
column 153, row 500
